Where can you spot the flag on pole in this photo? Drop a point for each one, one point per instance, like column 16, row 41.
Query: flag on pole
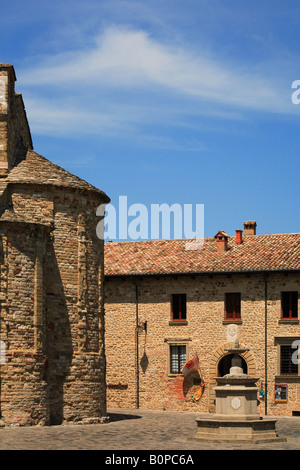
column 190, row 366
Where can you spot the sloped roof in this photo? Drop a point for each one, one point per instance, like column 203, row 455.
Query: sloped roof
column 256, row 253
column 36, row 169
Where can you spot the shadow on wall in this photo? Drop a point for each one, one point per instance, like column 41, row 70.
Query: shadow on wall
column 59, row 349
column 144, row 362
column 190, row 382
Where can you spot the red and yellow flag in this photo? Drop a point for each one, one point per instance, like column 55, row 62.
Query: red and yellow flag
column 190, row 366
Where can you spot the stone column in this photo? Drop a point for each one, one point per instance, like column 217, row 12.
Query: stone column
column 39, row 295
column 82, row 285
column 3, row 292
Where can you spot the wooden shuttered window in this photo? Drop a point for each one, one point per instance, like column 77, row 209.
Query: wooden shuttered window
column 233, row 306
column 288, row 362
column 289, row 305
column 178, row 307
column 177, row 358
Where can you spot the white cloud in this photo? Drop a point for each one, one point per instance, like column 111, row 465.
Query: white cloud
column 124, row 58
column 127, row 81
column 58, row 117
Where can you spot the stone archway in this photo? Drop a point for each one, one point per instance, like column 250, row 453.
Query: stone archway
column 218, row 355
column 225, row 363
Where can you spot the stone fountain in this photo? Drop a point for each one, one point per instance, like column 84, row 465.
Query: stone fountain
column 236, row 418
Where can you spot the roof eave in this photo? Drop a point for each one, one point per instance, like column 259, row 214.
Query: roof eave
column 202, row 273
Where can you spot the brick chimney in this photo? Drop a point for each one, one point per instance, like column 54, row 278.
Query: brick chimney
column 250, row 227
column 239, row 236
column 222, row 241
column 14, row 128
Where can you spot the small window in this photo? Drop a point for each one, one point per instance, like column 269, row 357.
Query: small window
column 281, row 392
column 233, row 306
column 177, row 358
column 288, row 360
column 178, row 307
column 289, row 305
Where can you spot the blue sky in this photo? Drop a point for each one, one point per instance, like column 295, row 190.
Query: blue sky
column 167, row 101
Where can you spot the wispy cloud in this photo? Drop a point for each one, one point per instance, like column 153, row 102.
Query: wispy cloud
column 101, row 84
column 61, row 117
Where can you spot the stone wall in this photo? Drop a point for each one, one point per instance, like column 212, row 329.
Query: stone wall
column 23, row 392
column 75, row 311
column 52, row 310
column 205, row 332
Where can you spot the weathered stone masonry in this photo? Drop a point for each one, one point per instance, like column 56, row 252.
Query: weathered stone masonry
column 260, row 268
column 53, row 361
column 52, row 318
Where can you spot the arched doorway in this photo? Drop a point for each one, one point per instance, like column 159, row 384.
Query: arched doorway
column 225, row 364
column 220, row 364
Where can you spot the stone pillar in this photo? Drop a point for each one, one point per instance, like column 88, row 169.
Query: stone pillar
column 14, row 128
column 3, row 292
column 84, row 387
column 7, row 90
column 39, row 295
column 82, row 286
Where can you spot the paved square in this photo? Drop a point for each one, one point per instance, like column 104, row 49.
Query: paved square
column 135, row 430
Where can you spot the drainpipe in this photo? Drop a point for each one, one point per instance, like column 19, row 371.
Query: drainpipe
column 0, row 393
column 137, row 345
column 266, row 343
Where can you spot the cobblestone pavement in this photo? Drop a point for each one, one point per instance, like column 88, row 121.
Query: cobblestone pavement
column 136, row 430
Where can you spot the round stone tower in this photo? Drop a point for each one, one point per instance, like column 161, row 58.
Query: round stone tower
column 52, row 361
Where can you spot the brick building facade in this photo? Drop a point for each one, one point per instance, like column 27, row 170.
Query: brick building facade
column 51, row 301
column 165, row 303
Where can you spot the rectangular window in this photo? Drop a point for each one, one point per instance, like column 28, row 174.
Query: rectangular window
column 281, row 392
column 177, row 357
column 233, row 306
column 178, row 307
column 289, row 305
column 288, row 364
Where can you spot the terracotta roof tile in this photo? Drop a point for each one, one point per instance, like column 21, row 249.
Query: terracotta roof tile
column 256, row 253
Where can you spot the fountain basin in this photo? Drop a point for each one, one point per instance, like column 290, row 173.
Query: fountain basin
column 237, row 430
column 236, row 418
